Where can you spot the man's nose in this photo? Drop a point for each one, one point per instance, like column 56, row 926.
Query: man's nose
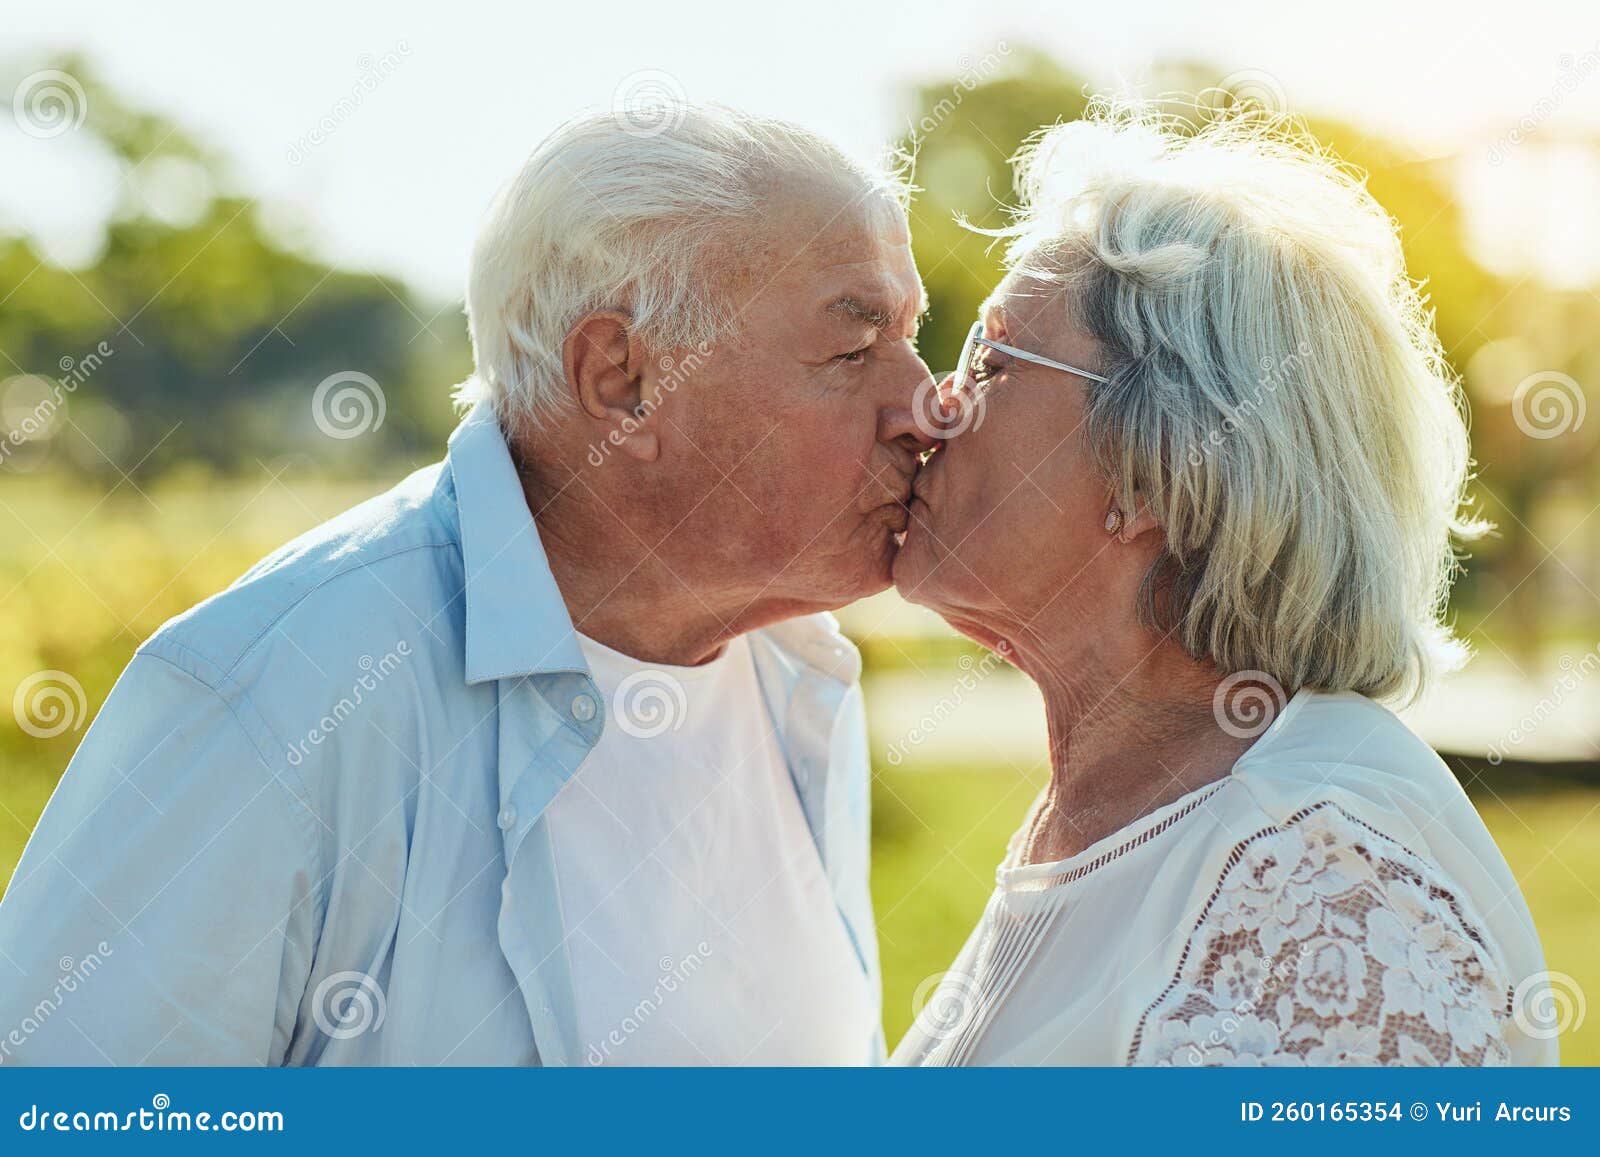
column 914, row 415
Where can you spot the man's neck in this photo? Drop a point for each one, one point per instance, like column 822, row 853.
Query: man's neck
column 620, row 586
column 618, row 590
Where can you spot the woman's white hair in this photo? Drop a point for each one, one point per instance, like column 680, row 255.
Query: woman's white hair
column 1277, row 397
column 649, row 221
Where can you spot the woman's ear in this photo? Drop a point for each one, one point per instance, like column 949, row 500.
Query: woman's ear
column 1126, row 525
column 1141, row 521
column 604, row 364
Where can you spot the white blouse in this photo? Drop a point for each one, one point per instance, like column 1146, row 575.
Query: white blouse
column 1334, row 900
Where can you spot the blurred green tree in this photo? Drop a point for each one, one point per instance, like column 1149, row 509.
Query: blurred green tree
column 218, row 331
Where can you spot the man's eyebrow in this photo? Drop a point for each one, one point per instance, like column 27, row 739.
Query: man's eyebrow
column 879, row 317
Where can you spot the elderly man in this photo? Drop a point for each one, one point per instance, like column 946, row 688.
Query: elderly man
column 546, row 755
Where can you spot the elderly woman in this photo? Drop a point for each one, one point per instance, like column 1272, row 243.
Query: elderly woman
column 1203, row 469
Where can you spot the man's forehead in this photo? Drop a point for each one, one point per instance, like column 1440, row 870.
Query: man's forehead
column 842, row 254
column 882, row 279
column 822, row 222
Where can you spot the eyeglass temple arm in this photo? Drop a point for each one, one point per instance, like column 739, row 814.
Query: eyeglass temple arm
column 1040, row 361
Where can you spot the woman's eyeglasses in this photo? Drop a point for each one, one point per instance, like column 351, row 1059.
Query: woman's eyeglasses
column 975, row 340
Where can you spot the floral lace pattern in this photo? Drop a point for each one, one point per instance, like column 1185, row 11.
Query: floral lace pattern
column 1326, row 943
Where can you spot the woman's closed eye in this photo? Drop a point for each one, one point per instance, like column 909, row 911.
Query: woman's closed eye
column 985, row 368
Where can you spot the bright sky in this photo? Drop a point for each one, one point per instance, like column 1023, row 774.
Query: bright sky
column 399, row 185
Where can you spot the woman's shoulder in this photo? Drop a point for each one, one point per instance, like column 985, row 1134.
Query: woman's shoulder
column 1340, row 853
column 1348, row 743
column 1341, row 763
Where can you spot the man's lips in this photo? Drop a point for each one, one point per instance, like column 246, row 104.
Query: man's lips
column 900, row 511
column 901, row 493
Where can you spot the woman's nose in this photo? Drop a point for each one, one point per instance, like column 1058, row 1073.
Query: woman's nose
column 938, row 406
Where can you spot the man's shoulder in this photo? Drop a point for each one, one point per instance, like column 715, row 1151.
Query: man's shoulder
column 376, row 572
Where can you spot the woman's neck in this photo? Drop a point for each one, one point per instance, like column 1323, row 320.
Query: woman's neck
column 1125, row 740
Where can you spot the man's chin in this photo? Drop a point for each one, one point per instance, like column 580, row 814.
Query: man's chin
column 868, row 569
column 873, row 575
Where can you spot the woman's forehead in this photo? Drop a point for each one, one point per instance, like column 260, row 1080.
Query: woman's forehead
column 1024, row 303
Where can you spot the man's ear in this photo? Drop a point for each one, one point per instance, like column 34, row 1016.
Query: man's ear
column 604, row 365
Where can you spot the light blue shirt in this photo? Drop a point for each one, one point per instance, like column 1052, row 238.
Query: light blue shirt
column 306, row 826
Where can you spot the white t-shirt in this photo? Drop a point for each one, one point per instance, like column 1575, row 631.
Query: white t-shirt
column 702, row 928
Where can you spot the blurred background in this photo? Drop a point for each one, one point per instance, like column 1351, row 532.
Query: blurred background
column 231, row 263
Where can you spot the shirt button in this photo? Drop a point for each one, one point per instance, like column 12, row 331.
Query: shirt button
column 507, row 819
column 583, row 708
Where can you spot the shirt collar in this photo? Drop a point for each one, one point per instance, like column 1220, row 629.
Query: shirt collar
column 817, row 641
column 517, row 621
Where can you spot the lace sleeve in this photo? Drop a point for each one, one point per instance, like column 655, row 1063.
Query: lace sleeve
column 1326, row 943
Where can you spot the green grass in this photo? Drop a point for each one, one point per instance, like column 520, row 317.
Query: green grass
column 937, row 837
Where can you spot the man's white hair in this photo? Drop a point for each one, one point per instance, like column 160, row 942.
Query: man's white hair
column 651, row 223
column 1277, row 395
